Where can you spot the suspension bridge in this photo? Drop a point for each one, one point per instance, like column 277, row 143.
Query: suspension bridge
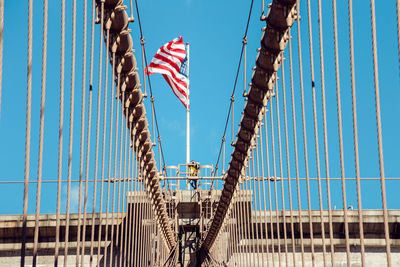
column 299, row 177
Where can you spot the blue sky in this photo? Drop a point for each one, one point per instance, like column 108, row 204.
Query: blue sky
column 214, row 30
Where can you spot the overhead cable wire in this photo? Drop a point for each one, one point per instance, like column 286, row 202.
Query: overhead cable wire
column 355, row 135
column 103, row 151
column 278, row 124
column 305, row 146
column 379, row 133
column 288, row 163
column 317, row 156
column 82, row 144
column 89, row 127
column 340, row 129
column 325, row 131
column 60, row 132
column 71, row 132
column 41, row 134
column 28, row 130
column 296, row 149
column 96, row 154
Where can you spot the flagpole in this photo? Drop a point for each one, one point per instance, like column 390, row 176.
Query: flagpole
column 188, row 110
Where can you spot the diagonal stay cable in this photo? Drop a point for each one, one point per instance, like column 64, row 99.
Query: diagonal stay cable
column 234, row 87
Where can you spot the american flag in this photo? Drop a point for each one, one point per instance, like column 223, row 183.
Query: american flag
column 171, row 61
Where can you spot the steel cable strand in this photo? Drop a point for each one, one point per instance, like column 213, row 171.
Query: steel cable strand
column 264, row 210
column 110, row 149
column 103, row 150
column 96, row 155
column 71, row 132
column 325, row 130
column 310, row 40
column 41, row 133
column 82, row 141
column 288, row 164
column 89, row 127
column 278, row 122
column 379, row 133
column 60, row 133
column 339, row 118
column 304, row 128
column 259, row 193
column 355, row 134
column 27, row 130
column 269, row 189
column 271, row 113
column 296, row 153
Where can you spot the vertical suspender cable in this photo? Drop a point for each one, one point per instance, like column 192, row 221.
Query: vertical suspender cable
column 295, row 152
column 110, row 148
column 126, row 146
column 269, row 189
column 42, row 106
column 141, row 199
column 321, row 56
column 138, row 216
column 137, row 210
column 115, row 170
column 275, row 180
column 28, row 130
column 89, row 124
column 264, row 211
column 232, row 232
column 127, row 191
column 60, row 132
column 243, row 218
column 82, row 145
column 142, row 42
column 247, row 215
column 233, row 115
column 130, row 206
column 339, row 115
column 71, row 133
column 258, row 221
column 244, row 63
column 379, row 132
column 278, row 123
column 103, row 150
column 256, row 250
column 96, row 155
column 303, row 113
column 117, row 234
column 288, row 165
column 252, row 231
column 310, row 45
column 355, row 133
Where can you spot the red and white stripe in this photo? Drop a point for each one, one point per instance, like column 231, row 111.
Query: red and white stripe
column 168, row 61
